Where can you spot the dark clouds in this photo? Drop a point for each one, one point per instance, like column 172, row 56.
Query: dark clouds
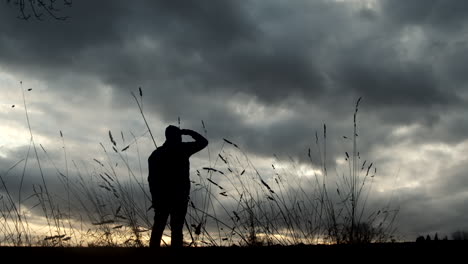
column 228, row 48
column 265, row 74
column 45, row 41
column 442, row 15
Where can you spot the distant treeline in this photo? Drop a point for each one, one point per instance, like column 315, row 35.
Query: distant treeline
column 457, row 235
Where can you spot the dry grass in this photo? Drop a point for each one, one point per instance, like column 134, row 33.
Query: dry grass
column 232, row 201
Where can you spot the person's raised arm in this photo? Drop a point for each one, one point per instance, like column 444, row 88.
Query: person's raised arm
column 199, row 143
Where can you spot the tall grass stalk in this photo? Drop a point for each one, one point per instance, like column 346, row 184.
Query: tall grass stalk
column 232, row 200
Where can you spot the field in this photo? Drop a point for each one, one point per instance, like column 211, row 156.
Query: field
column 233, row 202
column 368, row 253
column 335, row 129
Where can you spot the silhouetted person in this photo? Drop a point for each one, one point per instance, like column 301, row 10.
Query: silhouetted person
column 170, row 184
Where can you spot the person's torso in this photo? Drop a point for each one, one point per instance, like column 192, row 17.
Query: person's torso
column 169, row 166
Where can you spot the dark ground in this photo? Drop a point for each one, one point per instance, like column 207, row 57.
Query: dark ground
column 444, row 251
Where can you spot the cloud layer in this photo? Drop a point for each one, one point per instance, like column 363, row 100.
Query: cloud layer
column 266, row 75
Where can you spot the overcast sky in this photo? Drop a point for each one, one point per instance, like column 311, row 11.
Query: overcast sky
column 263, row 74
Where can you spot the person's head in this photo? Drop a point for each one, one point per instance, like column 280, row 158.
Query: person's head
column 173, row 134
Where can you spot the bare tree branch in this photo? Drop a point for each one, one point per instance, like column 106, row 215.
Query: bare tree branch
column 38, row 8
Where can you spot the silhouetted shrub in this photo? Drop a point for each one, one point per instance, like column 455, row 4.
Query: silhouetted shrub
column 420, row 239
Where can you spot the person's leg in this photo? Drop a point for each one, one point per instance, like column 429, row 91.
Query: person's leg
column 161, row 213
column 178, row 212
